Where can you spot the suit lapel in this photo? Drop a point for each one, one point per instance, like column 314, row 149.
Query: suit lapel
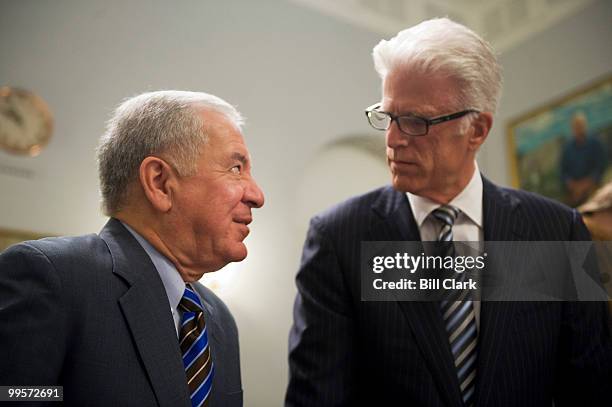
column 502, row 222
column 147, row 313
column 397, row 223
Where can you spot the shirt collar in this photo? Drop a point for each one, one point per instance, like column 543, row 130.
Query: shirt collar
column 171, row 279
column 468, row 201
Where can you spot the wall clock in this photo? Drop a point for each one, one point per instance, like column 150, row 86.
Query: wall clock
column 26, row 123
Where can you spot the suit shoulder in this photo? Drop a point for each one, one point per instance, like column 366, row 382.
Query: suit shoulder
column 533, row 201
column 63, row 243
column 59, row 251
column 548, row 219
column 73, row 247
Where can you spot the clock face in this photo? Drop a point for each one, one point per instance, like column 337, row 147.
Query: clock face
column 26, row 123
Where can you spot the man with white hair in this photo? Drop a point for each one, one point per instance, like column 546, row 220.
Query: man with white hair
column 119, row 318
column 441, row 85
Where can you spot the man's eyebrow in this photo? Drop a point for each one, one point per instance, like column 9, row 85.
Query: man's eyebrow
column 240, row 157
column 424, row 111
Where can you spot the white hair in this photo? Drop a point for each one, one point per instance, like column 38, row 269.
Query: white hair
column 163, row 122
column 443, row 46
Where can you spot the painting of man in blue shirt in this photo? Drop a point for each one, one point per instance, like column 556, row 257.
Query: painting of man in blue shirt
column 583, row 163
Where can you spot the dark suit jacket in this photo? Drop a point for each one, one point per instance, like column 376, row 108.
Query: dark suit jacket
column 90, row 313
column 347, row 352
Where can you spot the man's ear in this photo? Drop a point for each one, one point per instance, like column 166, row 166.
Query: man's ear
column 481, row 126
column 157, row 179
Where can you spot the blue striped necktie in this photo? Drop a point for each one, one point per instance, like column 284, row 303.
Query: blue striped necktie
column 193, row 340
column 458, row 314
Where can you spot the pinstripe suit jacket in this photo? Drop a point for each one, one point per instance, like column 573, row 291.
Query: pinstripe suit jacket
column 345, row 352
column 90, row 313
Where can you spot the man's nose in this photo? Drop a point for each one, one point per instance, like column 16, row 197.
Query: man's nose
column 254, row 196
column 394, row 136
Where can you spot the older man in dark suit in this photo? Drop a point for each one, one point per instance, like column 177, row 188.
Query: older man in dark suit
column 441, row 85
column 119, row 319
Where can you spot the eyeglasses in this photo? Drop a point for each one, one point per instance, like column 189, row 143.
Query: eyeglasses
column 409, row 124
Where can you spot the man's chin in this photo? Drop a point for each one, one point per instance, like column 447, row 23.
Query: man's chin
column 234, row 254
column 405, row 184
column 238, row 253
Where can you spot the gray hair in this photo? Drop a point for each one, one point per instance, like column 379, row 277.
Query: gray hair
column 162, row 122
column 443, row 46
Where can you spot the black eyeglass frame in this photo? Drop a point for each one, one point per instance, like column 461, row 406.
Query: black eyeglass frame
column 428, row 122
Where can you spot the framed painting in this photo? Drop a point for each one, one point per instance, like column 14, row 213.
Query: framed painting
column 564, row 150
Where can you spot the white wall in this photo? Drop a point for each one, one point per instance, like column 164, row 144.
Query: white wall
column 301, row 79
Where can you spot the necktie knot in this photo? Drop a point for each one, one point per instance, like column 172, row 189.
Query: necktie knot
column 446, row 214
column 190, row 302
